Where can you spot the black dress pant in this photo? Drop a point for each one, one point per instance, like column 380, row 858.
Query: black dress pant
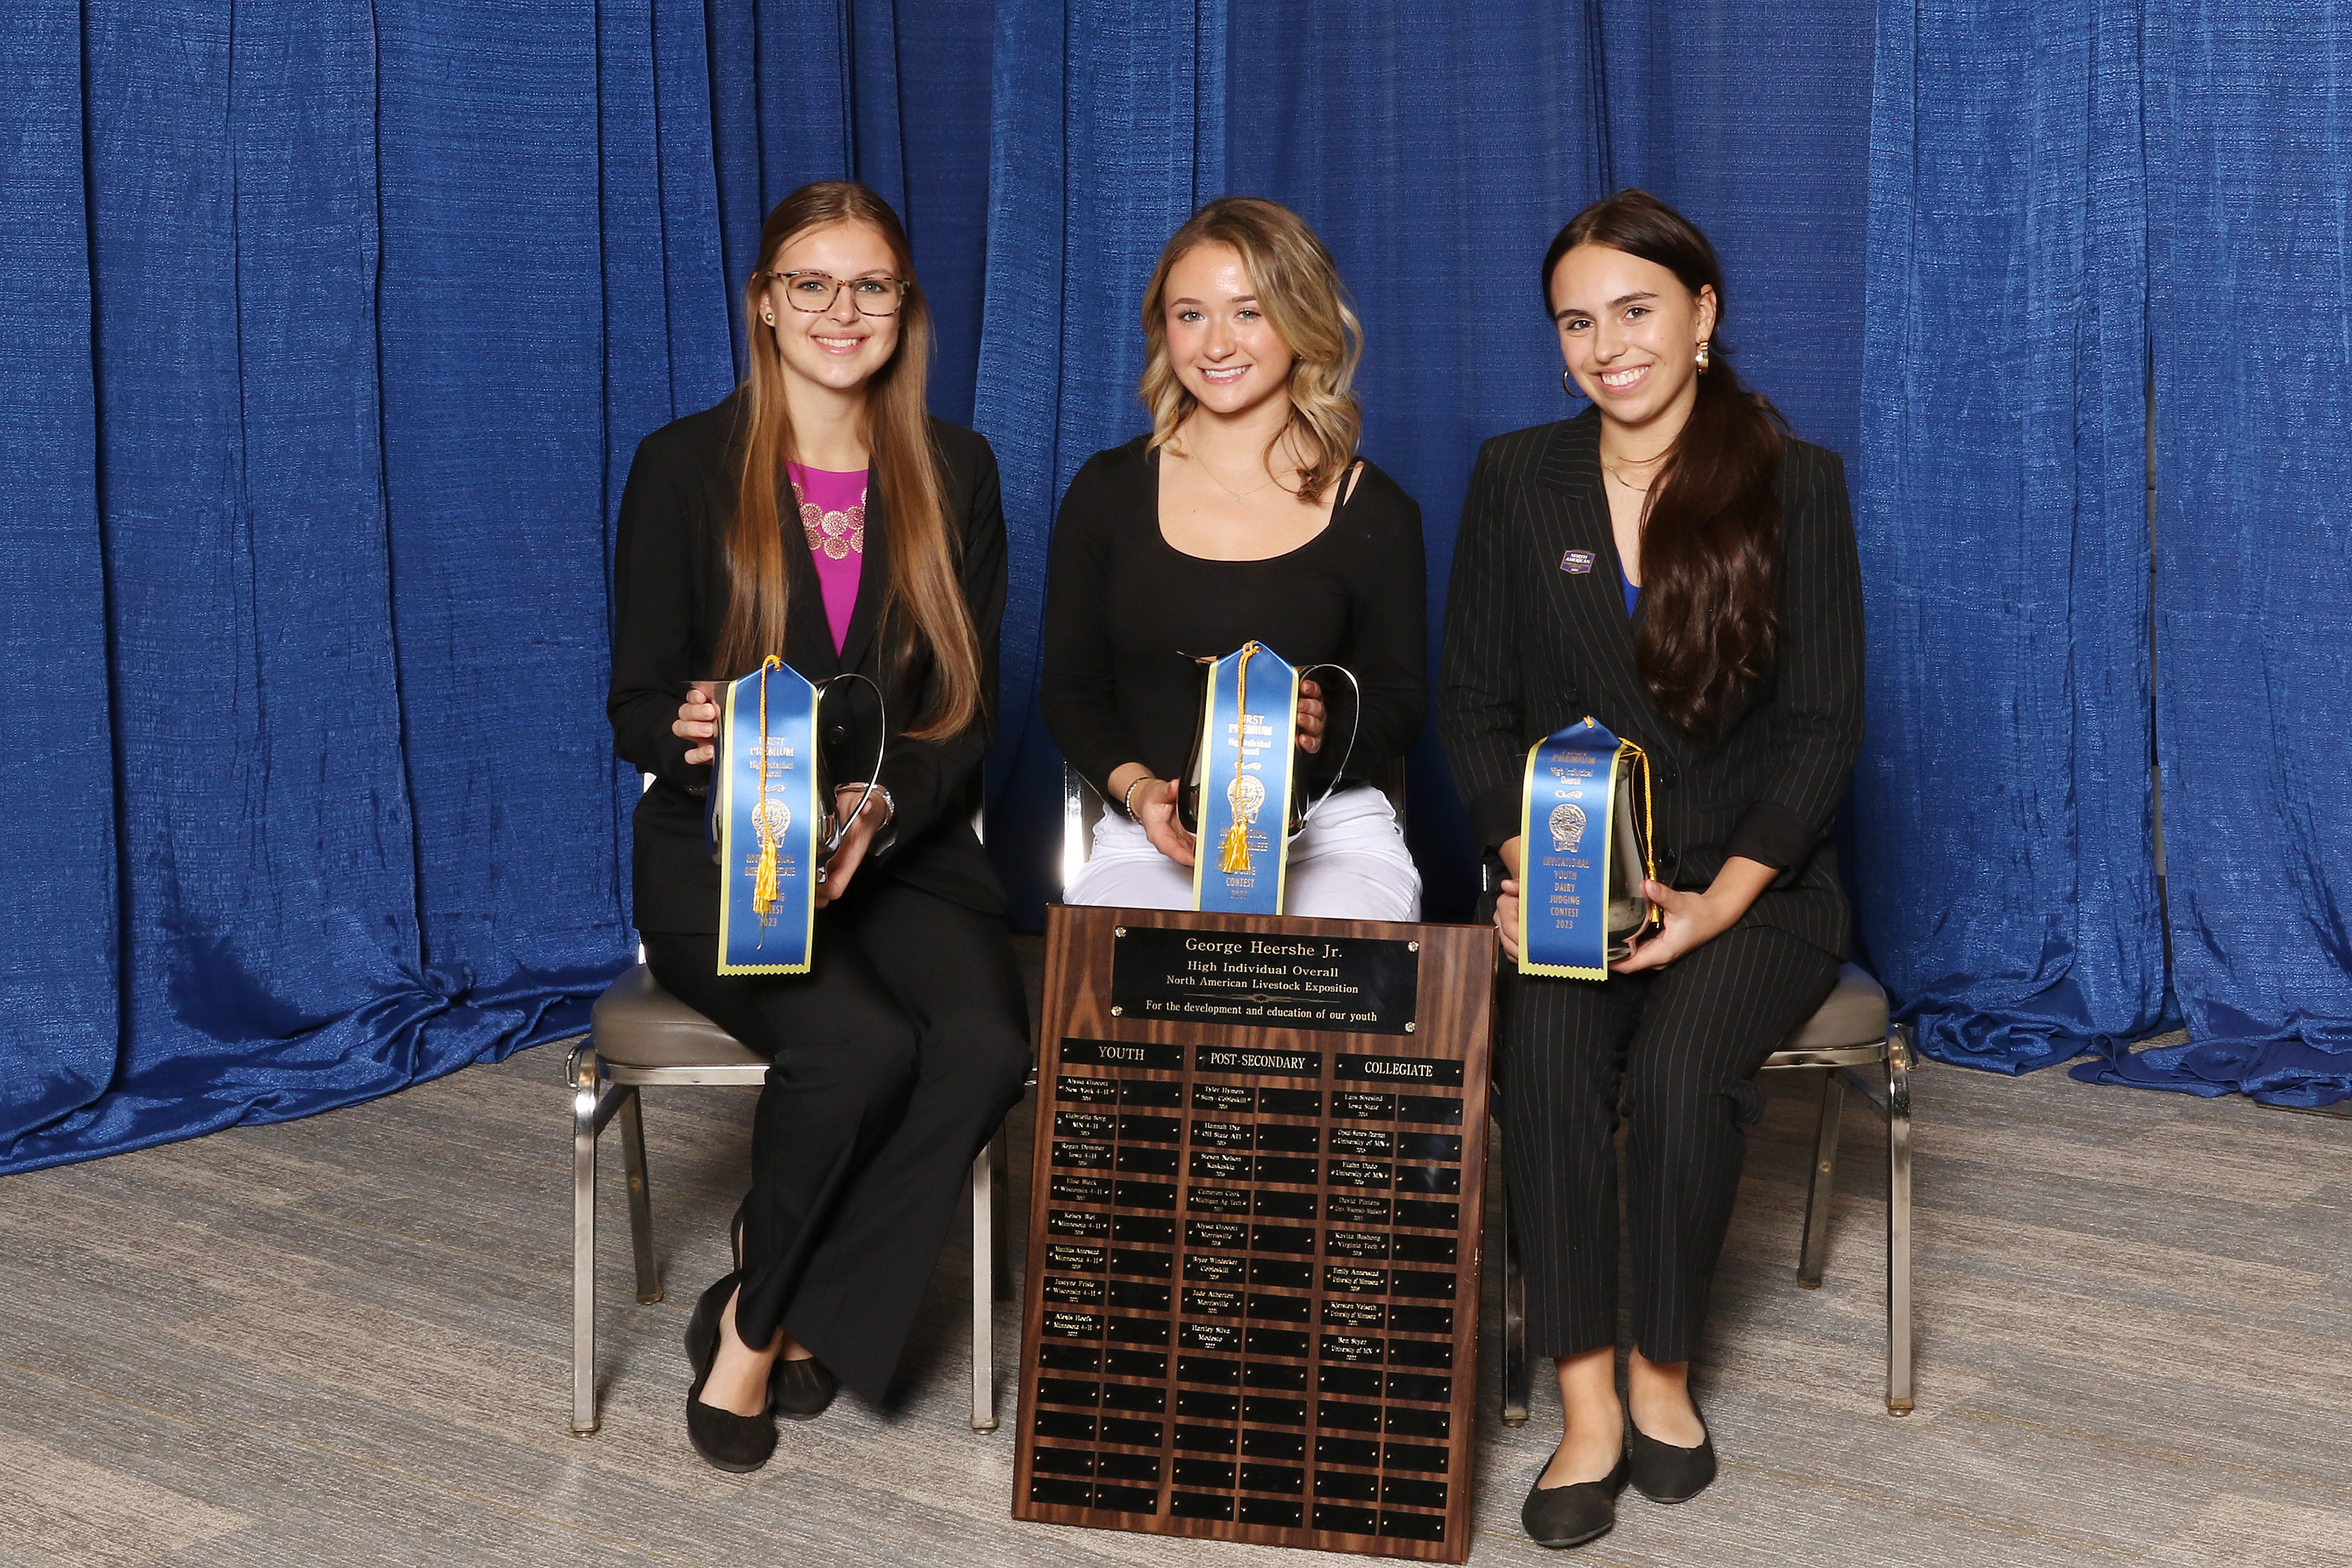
column 1673, row 1052
column 896, row 1056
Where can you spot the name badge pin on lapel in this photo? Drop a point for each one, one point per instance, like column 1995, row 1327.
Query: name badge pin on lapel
column 1577, row 561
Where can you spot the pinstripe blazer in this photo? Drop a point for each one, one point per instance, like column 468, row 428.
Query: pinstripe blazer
column 1532, row 647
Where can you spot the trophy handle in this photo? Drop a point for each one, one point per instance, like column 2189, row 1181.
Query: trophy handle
column 1188, row 787
column 1355, row 727
column 1629, row 913
column 716, row 687
column 832, row 840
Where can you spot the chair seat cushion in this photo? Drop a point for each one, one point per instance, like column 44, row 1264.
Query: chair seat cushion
column 1855, row 1014
column 637, row 1023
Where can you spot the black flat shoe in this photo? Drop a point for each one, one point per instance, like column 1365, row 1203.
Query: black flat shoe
column 800, row 1390
column 1663, row 1473
column 730, row 1442
column 1574, row 1515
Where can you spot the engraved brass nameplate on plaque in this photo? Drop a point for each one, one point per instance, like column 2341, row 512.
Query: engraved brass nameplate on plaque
column 1253, row 1292
column 1356, row 985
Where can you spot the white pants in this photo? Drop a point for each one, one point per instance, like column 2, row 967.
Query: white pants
column 1350, row 865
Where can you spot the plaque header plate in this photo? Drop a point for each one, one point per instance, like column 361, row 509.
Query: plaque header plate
column 1399, row 1069
column 1342, row 985
column 1114, row 1053
column 1258, row 1063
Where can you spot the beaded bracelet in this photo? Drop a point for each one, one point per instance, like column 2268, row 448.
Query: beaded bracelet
column 1127, row 803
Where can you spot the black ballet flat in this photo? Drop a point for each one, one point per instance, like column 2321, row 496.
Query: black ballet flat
column 800, row 1390
column 729, row 1442
column 1663, row 1473
column 1572, row 1515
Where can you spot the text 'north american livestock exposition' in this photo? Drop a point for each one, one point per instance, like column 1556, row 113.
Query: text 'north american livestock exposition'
column 1356, row 985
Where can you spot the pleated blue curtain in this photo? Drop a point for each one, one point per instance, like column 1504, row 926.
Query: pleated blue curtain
column 1754, row 122
column 2003, row 799
column 1370, row 125
column 943, row 109
column 1438, row 151
column 59, row 1008
column 1108, row 133
column 2249, row 141
column 891, row 93
column 337, row 344
column 347, row 322
column 336, row 330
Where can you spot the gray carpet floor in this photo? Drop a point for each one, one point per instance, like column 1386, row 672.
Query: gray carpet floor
column 344, row 1341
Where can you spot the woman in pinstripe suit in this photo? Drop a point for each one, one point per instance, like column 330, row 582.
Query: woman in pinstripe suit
column 1675, row 564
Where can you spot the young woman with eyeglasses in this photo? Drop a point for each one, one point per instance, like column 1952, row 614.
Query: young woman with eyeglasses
column 1243, row 515
column 819, row 513
column 1675, row 564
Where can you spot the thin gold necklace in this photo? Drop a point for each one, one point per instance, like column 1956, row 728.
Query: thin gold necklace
column 1237, row 495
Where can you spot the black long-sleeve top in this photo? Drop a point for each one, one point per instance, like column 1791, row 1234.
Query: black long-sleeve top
column 1128, row 614
column 670, row 593
column 1533, row 644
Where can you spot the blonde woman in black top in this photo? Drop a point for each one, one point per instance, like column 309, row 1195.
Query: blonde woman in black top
column 1244, row 515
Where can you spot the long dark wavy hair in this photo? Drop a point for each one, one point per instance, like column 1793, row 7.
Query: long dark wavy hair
column 1711, row 524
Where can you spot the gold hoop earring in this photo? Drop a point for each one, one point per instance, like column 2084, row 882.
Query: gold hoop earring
column 1702, row 356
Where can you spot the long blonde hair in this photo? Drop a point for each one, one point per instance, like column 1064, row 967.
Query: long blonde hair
column 925, row 603
column 1297, row 286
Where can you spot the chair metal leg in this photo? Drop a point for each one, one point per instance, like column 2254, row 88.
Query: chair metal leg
column 585, row 1077
column 641, row 1206
column 998, row 1160
column 1824, row 1186
column 983, row 1288
column 1898, row 1221
column 1516, row 1383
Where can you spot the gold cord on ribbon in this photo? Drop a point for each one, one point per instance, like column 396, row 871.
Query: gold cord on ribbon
column 763, row 880
column 1629, row 750
column 1232, row 850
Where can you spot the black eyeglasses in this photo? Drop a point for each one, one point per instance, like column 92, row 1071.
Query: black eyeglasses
column 815, row 291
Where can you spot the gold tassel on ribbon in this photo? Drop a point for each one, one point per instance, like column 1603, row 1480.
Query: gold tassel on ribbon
column 1649, row 828
column 1234, row 853
column 763, row 880
column 1233, row 850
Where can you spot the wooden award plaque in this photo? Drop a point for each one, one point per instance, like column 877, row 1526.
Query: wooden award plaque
column 1255, row 1216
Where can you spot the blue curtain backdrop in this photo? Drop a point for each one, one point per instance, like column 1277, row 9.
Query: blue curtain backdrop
column 332, row 333
column 1109, row 131
column 2249, row 121
column 895, row 95
column 2003, row 799
column 335, row 331
column 1371, row 143
column 323, row 303
column 59, row 1011
column 1438, row 151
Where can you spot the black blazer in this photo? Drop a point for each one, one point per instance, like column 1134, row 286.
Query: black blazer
column 671, row 593
column 1532, row 647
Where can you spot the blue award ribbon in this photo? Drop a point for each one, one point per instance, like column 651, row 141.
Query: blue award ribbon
column 1566, row 853
column 1249, row 745
column 768, row 820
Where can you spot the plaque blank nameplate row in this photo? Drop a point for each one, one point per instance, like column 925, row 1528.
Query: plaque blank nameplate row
column 1253, row 1274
